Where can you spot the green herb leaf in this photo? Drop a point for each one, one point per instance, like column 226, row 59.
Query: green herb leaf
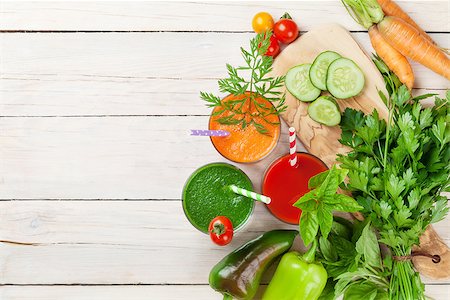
column 310, row 226
column 367, row 246
column 327, row 249
column 343, row 203
column 317, row 180
column 325, row 215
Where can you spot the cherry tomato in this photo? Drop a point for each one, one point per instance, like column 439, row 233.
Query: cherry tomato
column 262, row 22
column 221, row 230
column 274, row 47
column 285, row 30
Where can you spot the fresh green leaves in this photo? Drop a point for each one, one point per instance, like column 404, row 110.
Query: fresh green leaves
column 310, row 226
column 397, row 171
column 367, row 246
column 368, row 276
column 257, row 85
column 317, row 205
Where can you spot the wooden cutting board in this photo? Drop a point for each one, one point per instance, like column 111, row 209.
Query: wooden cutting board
column 322, row 140
column 318, row 139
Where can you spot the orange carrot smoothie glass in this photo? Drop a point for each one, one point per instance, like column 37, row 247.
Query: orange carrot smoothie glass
column 245, row 145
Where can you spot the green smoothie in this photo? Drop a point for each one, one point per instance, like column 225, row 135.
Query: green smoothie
column 206, row 195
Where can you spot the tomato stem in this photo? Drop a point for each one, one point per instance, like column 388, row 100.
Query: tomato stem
column 218, row 229
column 286, row 16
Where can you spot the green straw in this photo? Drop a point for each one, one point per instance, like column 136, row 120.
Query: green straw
column 250, row 194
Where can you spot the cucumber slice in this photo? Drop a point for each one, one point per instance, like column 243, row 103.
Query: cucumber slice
column 298, row 83
column 325, row 111
column 344, row 78
column 318, row 71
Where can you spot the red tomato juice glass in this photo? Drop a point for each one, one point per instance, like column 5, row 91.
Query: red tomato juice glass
column 285, row 184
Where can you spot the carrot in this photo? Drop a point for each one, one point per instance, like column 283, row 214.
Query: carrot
column 408, row 41
column 393, row 59
column 390, row 8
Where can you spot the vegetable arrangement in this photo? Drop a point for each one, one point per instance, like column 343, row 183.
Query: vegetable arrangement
column 396, row 169
column 395, row 35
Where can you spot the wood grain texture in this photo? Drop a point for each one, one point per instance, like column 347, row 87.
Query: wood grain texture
column 108, row 158
column 189, row 16
column 124, row 74
column 169, row 292
column 320, row 140
column 63, row 155
column 117, row 242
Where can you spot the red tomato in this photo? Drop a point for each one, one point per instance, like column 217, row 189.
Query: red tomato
column 274, row 47
column 285, row 30
column 221, row 230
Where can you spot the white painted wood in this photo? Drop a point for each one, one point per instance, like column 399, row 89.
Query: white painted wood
column 159, row 73
column 126, row 74
column 171, row 292
column 197, row 15
column 110, row 158
column 112, row 242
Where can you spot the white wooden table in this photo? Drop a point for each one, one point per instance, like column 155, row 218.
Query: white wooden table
column 96, row 99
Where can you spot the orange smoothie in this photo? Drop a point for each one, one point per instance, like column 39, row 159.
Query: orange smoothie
column 245, row 145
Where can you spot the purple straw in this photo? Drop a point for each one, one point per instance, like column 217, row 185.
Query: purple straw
column 200, row 132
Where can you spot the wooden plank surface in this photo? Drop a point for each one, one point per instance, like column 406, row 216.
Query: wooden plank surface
column 117, row 242
column 192, row 16
column 166, row 292
column 98, row 117
column 108, row 158
column 125, row 74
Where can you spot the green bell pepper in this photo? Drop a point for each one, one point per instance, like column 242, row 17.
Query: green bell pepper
column 239, row 273
column 296, row 279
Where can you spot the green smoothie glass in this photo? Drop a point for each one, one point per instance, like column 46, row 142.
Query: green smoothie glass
column 207, row 195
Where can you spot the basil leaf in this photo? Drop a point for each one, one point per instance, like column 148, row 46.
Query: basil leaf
column 343, row 203
column 317, row 180
column 325, row 215
column 327, row 249
column 363, row 290
column 309, row 226
column 367, row 245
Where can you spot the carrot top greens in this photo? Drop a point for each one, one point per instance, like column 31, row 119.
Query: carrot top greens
column 257, row 85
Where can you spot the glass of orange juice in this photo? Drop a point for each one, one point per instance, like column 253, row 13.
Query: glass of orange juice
column 246, row 144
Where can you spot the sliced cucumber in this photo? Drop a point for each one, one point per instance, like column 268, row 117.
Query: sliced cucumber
column 325, row 111
column 298, row 83
column 344, row 78
column 318, row 71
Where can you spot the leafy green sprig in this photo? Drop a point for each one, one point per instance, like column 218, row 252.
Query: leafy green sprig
column 397, row 171
column 246, row 110
column 318, row 205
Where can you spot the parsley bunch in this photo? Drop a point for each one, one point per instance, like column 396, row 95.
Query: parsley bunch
column 397, row 172
column 245, row 109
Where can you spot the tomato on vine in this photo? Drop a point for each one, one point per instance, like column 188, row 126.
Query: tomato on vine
column 274, row 47
column 285, row 29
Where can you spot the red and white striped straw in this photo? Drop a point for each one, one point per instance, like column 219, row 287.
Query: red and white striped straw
column 292, row 147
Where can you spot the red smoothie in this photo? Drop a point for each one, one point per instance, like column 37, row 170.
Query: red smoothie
column 285, row 184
